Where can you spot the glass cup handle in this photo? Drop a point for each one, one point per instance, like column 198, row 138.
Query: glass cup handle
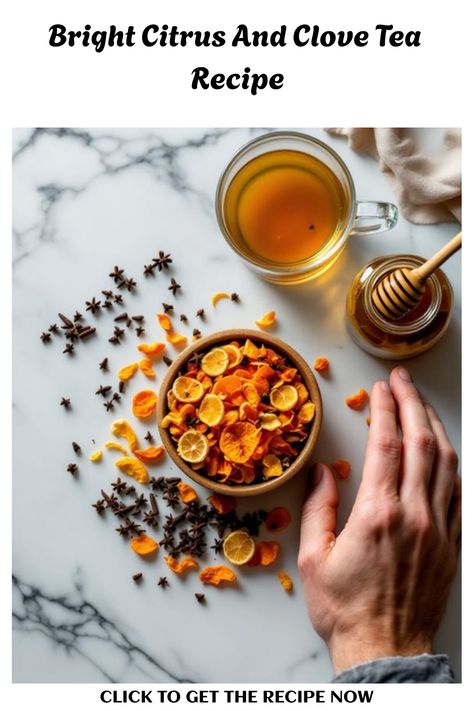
column 374, row 217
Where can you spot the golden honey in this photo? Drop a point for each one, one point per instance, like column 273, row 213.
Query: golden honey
column 409, row 336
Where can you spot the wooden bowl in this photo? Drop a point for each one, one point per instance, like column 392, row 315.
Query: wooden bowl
column 204, row 344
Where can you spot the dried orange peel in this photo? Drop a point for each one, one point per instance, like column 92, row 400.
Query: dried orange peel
column 146, row 367
column 127, row 372
column 358, row 401
column 266, row 553
column 121, row 428
column 150, row 455
column 134, row 468
column 321, row 364
column 144, row 545
column 144, row 403
column 286, row 581
column 217, row 574
column 186, row 493
column 181, row 566
column 219, row 296
column 164, row 322
column 267, row 320
column 277, row 519
column 151, row 349
column 239, row 414
column 342, row 468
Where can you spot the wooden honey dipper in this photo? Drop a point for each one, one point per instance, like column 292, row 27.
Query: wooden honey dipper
column 401, row 290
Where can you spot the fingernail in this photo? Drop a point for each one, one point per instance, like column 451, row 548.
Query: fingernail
column 317, row 474
column 384, row 386
column 404, row 375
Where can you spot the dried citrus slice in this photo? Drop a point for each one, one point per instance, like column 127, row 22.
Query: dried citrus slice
column 284, row 398
column 269, row 421
column 211, row 410
column 187, row 389
column 193, row 446
column 215, row 362
column 239, row 441
column 306, row 412
column 272, row 466
column 234, row 354
column 238, row 547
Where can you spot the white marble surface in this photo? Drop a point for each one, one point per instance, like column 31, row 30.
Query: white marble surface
column 85, row 200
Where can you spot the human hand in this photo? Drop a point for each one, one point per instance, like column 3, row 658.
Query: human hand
column 380, row 587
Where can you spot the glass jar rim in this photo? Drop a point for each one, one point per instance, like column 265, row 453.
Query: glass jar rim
column 394, row 327
column 277, row 267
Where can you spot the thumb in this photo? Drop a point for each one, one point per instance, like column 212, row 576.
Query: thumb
column 319, row 515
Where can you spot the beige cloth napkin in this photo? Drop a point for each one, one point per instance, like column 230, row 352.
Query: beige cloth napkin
column 428, row 188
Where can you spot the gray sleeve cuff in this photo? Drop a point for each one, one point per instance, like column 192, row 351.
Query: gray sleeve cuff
column 422, row 669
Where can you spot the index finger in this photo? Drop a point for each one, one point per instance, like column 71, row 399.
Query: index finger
column 383, row 453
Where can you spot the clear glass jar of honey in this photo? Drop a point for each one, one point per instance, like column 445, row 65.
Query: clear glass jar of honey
column 411, row 335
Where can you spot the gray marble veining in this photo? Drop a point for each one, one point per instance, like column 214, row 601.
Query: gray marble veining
column 85, row 200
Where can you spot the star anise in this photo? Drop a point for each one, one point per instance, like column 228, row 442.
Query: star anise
column 118, row 332
column 110, row 499
column 163, row 582
column 109, row 405
column 162, row 261
column 107, row 293
column 122, row 530
column 218, row 545
column 148, row 269
column 107, row 305
column 45, row 337
column 140, row 331
column 183, row 318
column 69, row 348
column 103, row 390
column 99, row 506
column 119, row 486
column 116, row 397
column 148, row 437
column 129, row 284
column 65, row 402
column 200, row 313
column 116, row 274
column 174, row 286
column 53, row 328
column 72, row 468
column 200, row 597
column 78, row 317
column 195, row 359
column 118, row 298
column 130, row 491
column 141, row 501
column 93, row 305
column 135, row 528
column 157, row 483
column 234, row 296
column 150, row 519
column 167, row 307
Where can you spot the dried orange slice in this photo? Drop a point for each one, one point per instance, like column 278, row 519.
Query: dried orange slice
column 215, row 362
column 238, row 547
column 187, row 389
column 269, row 421
column 211, row 410
column 234, row 354
column 272, row 466
column 193, row 446
column 306, row 412
column 284, row 398
column 239, row 441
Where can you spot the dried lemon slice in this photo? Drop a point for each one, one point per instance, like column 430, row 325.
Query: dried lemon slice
column 215, row 362
column 269, row 421
column 272, row 466
column 306, row 413
column 235, row 356
column 284, row 398
column 238, row 547
column 187, row 389
column 211, row 410
column 193, row 446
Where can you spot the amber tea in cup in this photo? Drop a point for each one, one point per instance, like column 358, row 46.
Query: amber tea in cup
column 285, row 206
column 286, row 203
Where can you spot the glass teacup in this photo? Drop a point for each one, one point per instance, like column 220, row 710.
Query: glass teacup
column 286, row 204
